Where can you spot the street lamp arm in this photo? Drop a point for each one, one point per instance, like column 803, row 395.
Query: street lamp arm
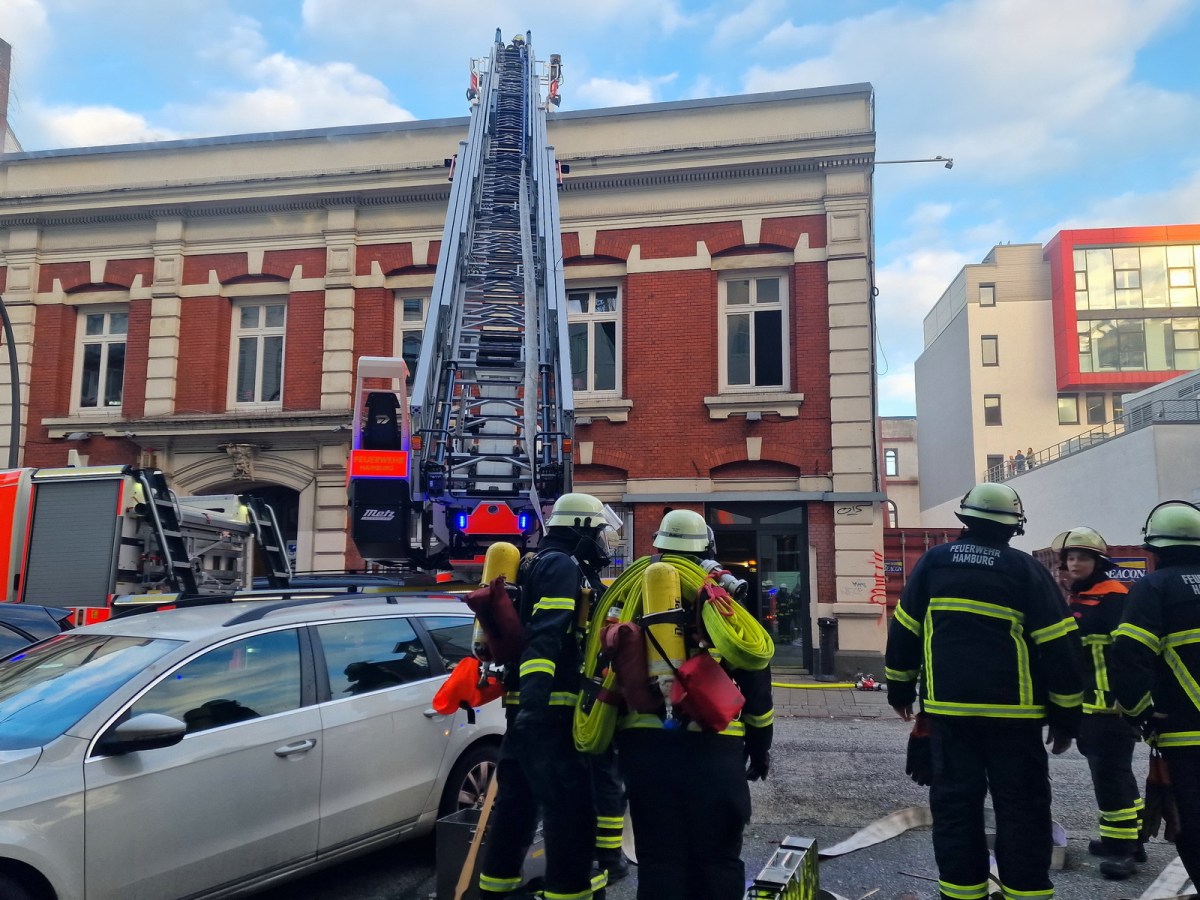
column 948, row 161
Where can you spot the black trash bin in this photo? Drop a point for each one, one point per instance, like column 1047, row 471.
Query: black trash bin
column 827, row 649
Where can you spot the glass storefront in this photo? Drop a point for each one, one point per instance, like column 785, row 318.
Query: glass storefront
column 766, row 544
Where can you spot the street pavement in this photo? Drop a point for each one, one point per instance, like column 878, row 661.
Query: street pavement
column 837, row 766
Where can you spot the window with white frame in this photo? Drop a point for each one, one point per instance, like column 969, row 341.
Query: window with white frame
column 754, row 339
column 411, row 310
column 593, row 328
column 100, row 360
column 891, row 462
column 258, row 332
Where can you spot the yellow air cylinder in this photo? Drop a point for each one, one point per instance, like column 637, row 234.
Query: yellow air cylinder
column 660, row 593
column 502, row 558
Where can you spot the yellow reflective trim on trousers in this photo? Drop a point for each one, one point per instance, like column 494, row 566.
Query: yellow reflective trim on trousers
column 983, row 709
column 1066, row 701
column 1141, row 635
column 908, row 621
column 964, row 891
column 585, row 894
column 901, row 674
column 608, row 842
column 767, row 718
column 498, row 885
column 1179, row 739
column 1171, row 657
column 533, row 666
column 1013, row 894
column 1118, row 815
column 1123, row 834
column 554, row 603
column 1050, row 632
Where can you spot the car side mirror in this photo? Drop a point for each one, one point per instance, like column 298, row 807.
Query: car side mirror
column 148, row 731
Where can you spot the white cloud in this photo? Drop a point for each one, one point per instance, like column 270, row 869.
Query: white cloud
column 1178, row 204
column 290, row 94
column 92, row 126
column 1009, row 89
column 897, row 389
column 747, row 24
column 601, row 92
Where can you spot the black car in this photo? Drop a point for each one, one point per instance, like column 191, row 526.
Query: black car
column 21, row 624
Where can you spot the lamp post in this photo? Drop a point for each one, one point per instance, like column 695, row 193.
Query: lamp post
column 14, row 374
column 945, row 160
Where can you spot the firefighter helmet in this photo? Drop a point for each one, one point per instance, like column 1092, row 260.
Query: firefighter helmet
column 684, row 530
column 577, row 511
column 995, row 503
column 1081, row 537
column 1174, row 523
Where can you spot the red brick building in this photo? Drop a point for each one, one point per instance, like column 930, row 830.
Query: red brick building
column 200, row 305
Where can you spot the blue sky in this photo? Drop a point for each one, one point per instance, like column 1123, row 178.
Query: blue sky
column 1057, row 113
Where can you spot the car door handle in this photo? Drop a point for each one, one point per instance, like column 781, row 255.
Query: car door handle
column 432, row 713
column 299, row 747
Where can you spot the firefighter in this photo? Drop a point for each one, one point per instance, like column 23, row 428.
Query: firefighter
column 986, row 630
column 688, row 795
column 539, row 767
column 1105, row 739
column 1156, row 660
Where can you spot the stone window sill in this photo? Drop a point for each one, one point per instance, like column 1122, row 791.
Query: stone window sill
column 753, row 405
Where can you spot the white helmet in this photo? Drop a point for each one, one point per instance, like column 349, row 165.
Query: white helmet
column 684, row 530
column 1081, row 537
column 995, row 503
column 577, row 511
column 1173, row 523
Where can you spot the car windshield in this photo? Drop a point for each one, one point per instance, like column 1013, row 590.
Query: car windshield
column 49, row 687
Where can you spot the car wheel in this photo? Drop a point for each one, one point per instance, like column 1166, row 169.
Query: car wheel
column 468, row 781
column 11, row 889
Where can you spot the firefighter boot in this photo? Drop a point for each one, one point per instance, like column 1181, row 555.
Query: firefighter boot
column 1113, row 847
column 614, row 861
column 1118, row 868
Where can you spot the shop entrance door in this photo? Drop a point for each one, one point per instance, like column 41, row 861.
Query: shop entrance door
column 766, row 544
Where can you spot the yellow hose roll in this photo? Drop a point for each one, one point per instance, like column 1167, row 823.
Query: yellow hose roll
column 739, row 638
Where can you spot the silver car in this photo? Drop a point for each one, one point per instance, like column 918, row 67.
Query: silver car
column 211, row 751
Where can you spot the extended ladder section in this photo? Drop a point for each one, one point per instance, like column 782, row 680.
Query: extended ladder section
column 165, row 522
column 491, row 400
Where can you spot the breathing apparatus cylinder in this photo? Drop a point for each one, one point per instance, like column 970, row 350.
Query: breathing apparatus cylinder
column 502, row 558
column 661, row 593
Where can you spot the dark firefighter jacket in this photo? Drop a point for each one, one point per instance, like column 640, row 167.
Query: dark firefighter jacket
column 548, row 674
column 1156, row 651
column 987, row 631
column 1097, row 604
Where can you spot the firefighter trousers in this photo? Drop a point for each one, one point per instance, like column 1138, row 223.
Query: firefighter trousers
column 1183, row 764
column 689, row 803
column 540, row 770
column 1107, row 742
column 609, row 794
column 972, row 756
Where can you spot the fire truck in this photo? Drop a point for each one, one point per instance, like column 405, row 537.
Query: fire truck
column 485, row 442
column 80, row 536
